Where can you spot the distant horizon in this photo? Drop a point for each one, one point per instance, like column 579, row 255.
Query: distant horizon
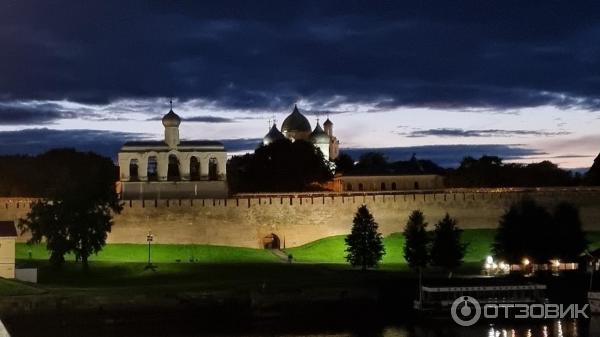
column 446, row 156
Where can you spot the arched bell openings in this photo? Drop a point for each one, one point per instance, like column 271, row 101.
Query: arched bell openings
column 152, row 172
column 194, row 168
column 173, row 173
column 133, row 170
column 213, row 169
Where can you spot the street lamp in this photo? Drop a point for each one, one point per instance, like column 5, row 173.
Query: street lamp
column 149, row 239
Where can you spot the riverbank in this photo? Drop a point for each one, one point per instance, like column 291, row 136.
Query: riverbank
column 214, row 295
column 252, row 289
column 353, row 302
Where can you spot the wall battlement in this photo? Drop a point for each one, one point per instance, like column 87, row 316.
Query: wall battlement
column 298, row 218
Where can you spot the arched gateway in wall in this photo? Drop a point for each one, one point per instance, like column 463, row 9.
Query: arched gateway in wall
column 271, row 241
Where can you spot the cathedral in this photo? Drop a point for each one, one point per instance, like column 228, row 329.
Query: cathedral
column 296, row 126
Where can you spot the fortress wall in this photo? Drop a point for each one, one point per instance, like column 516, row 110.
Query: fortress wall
column 298, row 219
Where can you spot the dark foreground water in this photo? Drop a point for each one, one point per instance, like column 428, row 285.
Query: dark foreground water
column 422, row 328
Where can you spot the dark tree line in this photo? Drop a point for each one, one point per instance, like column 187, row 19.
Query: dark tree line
column 490, row 171
column 487, row 171
column 46, row 174
column 281, row 166
column 377, row 163
column 528, row 229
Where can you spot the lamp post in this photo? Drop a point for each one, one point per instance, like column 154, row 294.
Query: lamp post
column 149, row 239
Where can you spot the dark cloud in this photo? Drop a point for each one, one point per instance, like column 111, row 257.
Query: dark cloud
column 449, row 155
column 23, row 114
column 35, row 141
column 107, row 143
column 209, row 119
column 572, row 156
column 449, row 132
column 266, row 55
column 201, row 119
column 241, row 144
column 322, row 113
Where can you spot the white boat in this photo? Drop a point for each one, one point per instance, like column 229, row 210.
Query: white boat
column 442, row 298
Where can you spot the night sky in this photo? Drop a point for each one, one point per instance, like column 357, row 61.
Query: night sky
column 444, row 79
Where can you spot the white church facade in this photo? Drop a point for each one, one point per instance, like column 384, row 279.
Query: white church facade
column 173, row 168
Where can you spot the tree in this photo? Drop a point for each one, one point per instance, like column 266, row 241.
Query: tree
column 76, row 216
column 592, row 176
column 416, row 241
column 447, row 251
column 371, row 163
column 416, row 245
column 567, row 236
column 281, row 166
column 344, row 163
column 364, row 244
column 524, row 231
column 489, row 171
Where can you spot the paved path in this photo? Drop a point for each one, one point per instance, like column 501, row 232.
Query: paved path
column 277, row 252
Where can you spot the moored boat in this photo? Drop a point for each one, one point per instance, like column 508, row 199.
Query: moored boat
column 440, row 299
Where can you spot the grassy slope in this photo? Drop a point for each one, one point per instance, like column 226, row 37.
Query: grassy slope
column 12, row 288
column 163, row 253
column 222, row 267
column 331, row 249
column 326, row 250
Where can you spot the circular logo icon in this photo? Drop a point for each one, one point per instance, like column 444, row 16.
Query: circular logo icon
column 465, row 311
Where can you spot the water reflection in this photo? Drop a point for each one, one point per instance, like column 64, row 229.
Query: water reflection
column 428, row 328
column 558, row 328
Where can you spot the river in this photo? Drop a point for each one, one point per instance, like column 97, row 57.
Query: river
column 428, row 328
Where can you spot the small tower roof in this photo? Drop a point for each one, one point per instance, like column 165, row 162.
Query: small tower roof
column 318, row 135
column 273, row 135
column 327, row 122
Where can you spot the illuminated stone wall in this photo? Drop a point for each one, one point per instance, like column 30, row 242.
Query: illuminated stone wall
column 298, row 219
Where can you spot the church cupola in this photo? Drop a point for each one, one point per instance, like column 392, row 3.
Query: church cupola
column 296, row 126
column 319, row 136
column 171, row 123
column 273, row 135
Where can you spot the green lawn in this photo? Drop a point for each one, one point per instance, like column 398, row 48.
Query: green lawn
column 332, row 249
column 327, row 250
column 119, row 268
column 162, row 254
column 15, row 288
column 479, row 243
